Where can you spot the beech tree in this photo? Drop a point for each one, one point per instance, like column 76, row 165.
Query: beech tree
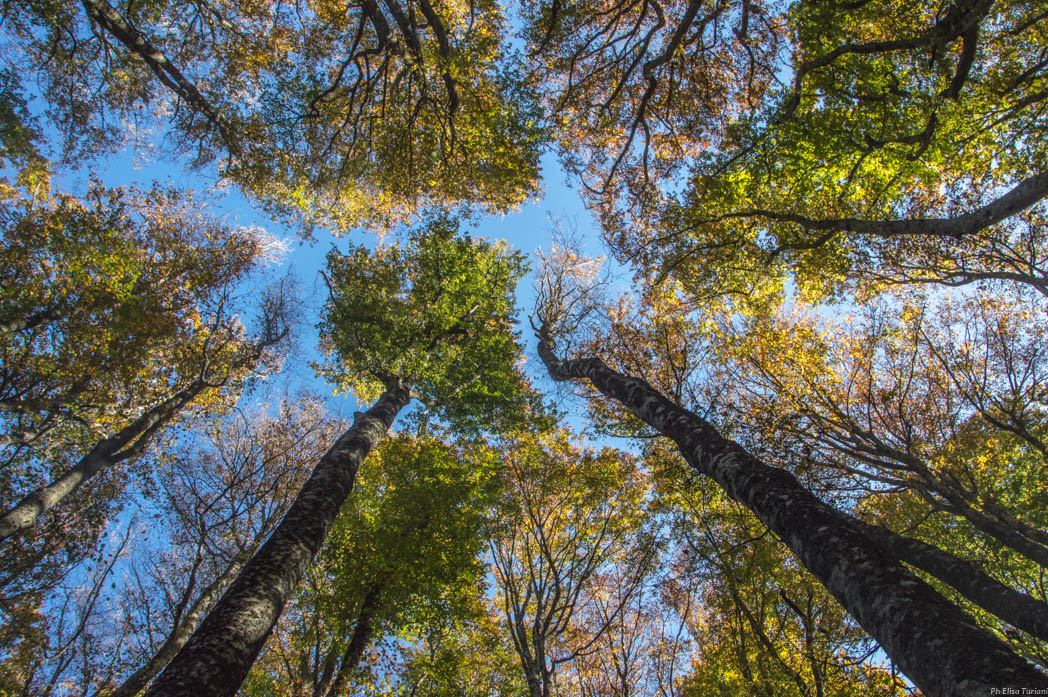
column 121, row 317
column 220, row 503
column 570, row 518
column 868, row 581
column 401, row 556
column 334, row 114
column 844, row 148
column 432, row 319
column 930, row 414
column 761, row 623
column 211, row 495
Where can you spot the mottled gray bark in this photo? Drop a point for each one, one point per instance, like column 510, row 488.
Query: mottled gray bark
column 1017, row 609
column 128, row 442
column 940, row 648
column 1025, row 194
column 218, row 656
column 179, row 635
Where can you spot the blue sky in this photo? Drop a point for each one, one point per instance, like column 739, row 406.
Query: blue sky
column 527, row 229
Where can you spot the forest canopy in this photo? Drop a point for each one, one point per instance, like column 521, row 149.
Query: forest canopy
column 291, row 406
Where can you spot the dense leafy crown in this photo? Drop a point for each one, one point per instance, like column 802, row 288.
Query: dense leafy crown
column 338, row 115
column 733, row 145
column 435, row 312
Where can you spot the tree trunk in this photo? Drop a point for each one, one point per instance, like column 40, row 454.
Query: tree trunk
column 359, row 641
column 1014, row 607
column 179, row 634
column 939, row 647
column 218, row 656
column 1006, row 535
column 128, row 442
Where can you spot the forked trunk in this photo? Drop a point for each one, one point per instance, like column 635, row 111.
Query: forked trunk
column 1018, row 609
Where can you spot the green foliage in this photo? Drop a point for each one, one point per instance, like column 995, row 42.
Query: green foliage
column 874, row 135
column 404, row 551
column 412, row 527
column 471, row 657
column 436, row 312
column 331, row 114
column 110, row 303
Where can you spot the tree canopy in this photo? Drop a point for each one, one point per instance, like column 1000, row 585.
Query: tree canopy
column 768, row 416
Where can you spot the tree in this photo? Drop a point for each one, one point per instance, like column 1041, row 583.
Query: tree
column 120, row 317
column 468, row 657
column 930, row 414
column 902, row 613
column 406, row 320
column 733, row 146
column 571, row 519
column 761, row 623
column 942, row 400
column 211, row 495
column 339, row 115
column 401, row 557
column 220, row 500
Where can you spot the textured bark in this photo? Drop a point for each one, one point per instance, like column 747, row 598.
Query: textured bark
column 1017, row 609
column 179, row 634
column 218, row 656
column 128, row 442
column 934, row 643
column 361, row 637
column 20, row 324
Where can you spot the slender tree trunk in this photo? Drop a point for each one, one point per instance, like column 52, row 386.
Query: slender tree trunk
column 1005, row 534
column 127, row 442
column 179, row 634
column 939, row 647
column 358, row 642
column 1018, row 609
column 218, row 656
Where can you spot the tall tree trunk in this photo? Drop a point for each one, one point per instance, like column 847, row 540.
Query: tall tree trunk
column 218, row 656
column 358, row 642
column 939, row 647
column 1018, row 609
column 128, row 442
column 179, row 634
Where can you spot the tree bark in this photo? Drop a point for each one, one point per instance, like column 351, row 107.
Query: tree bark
column 1018, row 609
column 179, row 634
column 1023, row 195
column 111, row 21
column 939, row 647
column 361, row 637
column 218, row 656
column 127, row 442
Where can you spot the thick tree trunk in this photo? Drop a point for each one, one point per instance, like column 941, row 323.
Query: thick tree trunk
column 1017, row 609
column 358, row 642
column 939, row 647
column 128, row 442
column 218, row 656
column 179, row 634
